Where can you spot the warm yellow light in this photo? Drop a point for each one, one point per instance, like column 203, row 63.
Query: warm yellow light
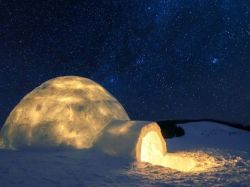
column 120, row 129
column 151, row 152
column 151, row 148
column 65, row 111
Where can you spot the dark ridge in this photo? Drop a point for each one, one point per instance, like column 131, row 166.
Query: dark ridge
column 170, row 129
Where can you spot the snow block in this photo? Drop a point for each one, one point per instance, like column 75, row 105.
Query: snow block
column 125, row 138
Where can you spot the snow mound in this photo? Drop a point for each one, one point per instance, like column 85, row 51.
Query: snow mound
column 65, row 111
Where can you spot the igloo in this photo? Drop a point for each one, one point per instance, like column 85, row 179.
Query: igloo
column 76, row 112
column 65, row 111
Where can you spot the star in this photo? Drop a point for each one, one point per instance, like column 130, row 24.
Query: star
column 214, row 60
column 113, row 79
column 140, row 61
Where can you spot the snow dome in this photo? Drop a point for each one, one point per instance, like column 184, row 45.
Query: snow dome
column 79, row 113
column 65, row 111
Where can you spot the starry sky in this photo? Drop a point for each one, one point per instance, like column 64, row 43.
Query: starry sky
column 162, row 59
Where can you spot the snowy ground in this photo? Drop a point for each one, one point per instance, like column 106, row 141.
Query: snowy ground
column 229, row 147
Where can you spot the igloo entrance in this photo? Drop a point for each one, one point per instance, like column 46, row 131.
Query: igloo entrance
column 152, row 152
column 151, row 148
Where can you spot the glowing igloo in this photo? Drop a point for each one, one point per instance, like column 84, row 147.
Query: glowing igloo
column 65, row 111
column 79, row 113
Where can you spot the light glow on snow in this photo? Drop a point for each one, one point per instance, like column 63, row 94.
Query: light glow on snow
column 152, row 152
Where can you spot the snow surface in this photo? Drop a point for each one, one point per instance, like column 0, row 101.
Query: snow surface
column 230, row 148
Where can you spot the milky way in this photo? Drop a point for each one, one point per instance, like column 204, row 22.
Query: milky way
column 162, row 59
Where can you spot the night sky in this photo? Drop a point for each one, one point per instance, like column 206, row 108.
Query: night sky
column 162, row 59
